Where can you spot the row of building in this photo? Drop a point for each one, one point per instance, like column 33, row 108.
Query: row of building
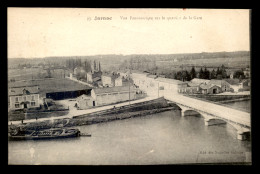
column 28, row 97
column 103, row 79
column 160, row 86
column 203, row 86
column 114, row 90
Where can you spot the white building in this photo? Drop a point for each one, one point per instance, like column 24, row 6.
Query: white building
column 169, row 86
column 106, row 80
column 156, row 86
column 24, row 97
column 200, row 81
column 106, row 96
column 109, row 79
column 85, row 102
column 118, row 81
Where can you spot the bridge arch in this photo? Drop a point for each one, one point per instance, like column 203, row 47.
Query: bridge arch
column 190, row 112
column 209, row 120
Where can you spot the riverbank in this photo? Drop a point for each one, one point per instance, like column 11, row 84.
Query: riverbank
column 136, row 110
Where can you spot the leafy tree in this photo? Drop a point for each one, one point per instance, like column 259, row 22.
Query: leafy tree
column 218, row 72
column 213, row 74
column 223, row 71
column 239, row 74
column 201, row 74
column 206, row 73
column 192, row 73
column 87, row 66
column 219, row 77
column 187, row 76
column 178, row 75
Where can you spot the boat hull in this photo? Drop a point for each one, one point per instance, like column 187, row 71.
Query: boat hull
column 72, row 134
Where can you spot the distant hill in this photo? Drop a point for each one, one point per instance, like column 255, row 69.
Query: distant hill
column 116, row 59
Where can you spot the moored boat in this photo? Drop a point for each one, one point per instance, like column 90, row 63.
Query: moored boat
column 45, row 134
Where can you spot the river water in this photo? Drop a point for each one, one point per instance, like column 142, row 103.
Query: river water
column 240, row 105
column 162, row 138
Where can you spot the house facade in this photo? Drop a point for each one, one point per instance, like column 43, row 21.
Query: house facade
column 157, row 86
column 79, row 70
column 169, row 86
column 92, row 75
column 203, row 86
column 85, row 102
column 108, row 79
column 190, row 90
column 210, row 89
column 119, row 81
column 224, row 85
column 24, row 97
column 110, row 95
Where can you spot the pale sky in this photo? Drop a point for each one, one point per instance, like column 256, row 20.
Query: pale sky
column 42, row 32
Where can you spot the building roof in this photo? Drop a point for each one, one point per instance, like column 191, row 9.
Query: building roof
column 83, row 96
column 208, row 86
column 232, row 81
column 96, row 79
column 190, row 84
column 172, row 81
column 112, row 75
column 119, row 78
column 199, row 81
column 217, row 82
column 112, row 89
column 96, row 74
column 20, row 90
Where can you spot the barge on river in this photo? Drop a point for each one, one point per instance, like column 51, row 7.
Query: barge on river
column 45, row 134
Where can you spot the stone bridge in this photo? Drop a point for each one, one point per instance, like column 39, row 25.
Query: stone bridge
column 214, row 114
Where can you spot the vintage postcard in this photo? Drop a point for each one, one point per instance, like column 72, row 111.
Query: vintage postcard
column 128, row 86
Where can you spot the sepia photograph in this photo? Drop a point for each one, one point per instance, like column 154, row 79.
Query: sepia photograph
column 128, row 86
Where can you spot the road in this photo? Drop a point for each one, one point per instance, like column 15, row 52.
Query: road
column 74, row 112
column 210, row 108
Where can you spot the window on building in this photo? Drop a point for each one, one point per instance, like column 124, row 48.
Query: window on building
column 16, row 99
column 32, row 103
column 33, row 98
column 17, row 105
column 24, row 98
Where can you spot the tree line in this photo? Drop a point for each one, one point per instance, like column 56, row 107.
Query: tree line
column 204, row 73
column 73, row 63
column 139, row 63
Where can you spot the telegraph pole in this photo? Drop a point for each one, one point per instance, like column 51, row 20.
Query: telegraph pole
column 129, row 86
column 158, row 89
column 182, row 73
